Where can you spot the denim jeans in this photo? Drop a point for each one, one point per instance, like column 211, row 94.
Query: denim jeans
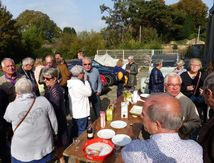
column 45, row 159
column 96, row 104
column 79, row 126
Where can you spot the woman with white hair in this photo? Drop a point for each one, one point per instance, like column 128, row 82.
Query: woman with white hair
column 33, row 121
column 27, row 69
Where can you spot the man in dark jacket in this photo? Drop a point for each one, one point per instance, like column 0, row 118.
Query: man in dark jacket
column 156, row 79
column 132, row 70
column 206, row 135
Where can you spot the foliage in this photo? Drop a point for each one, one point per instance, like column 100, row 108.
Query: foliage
column 10, row 44
column 45, row 28
column 173, row 22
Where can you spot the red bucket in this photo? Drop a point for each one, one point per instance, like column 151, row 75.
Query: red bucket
column 97, row 148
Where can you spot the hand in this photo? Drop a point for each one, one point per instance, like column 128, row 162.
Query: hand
column 85, row 77
column 98, row 94
column 190, row 87
column 201, row 91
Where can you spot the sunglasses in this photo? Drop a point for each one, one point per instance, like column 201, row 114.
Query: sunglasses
column 87, row 64
column 48, row 79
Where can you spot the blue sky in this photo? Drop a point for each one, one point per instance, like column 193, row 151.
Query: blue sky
column 80, row 14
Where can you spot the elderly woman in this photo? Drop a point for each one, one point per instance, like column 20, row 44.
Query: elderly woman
column 54, row 94
column 192, row 82
column 79, row 90
column 27, row 70
column 180, row 67
column 33, row 120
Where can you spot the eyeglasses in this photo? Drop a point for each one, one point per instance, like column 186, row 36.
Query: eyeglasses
column 87, row 64
column 173, row 85
column 48, row 79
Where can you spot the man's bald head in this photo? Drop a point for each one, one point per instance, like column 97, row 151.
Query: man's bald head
column 165, row 109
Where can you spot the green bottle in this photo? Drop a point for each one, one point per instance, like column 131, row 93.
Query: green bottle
column 109, row 113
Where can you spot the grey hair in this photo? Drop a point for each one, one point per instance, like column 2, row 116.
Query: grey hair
column 160, row 112
column 50, row 72
column 76, row 70
column 172, row 74
column 27, row 60
column 87, row 59
column 195, row 59
column 6, row 59
column 157, row 62
column 23, row 86
column 209, row 82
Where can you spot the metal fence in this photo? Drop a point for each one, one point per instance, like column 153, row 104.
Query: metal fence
column 141, row 56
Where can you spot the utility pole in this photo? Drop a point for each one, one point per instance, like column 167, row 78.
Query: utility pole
column 140, row 34
column 198, row 37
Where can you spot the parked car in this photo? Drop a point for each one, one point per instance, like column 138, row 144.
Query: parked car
column 103, row 70
column 169, row 64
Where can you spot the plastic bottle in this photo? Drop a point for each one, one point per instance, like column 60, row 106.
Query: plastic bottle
column 90, row 131
column 102, row 119
column 109, row 113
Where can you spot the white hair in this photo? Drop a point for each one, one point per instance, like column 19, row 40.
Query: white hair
column 23, row 86
column 6, row 59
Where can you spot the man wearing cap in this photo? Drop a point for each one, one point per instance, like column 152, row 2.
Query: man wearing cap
column 132, row 69
column 79, row 90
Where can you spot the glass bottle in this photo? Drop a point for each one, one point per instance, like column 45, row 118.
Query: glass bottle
column 90, row 131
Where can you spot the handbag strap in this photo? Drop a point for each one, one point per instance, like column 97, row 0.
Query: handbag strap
column 25, row 115
column 197, row 83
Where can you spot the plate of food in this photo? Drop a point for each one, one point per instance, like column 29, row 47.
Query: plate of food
column 136, row 110
column 105, row 133
column 121, row 139
column 118, row 124
column 144, row 95
column 97, row 148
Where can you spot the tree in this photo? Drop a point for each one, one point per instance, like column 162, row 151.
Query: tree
column 10, row 44
column 195, row 10
column 45, row 28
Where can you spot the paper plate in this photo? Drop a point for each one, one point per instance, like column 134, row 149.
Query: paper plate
column 118, row 124
column 105, row 133
column 136, row 110
column 97, row 148
column 121, row 139
column 144, row 95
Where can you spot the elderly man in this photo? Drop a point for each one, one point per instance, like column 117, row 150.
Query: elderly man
column 10, row 77
column 191, row 121
column 27, row 70
column 96, row 85
column 79, row 90
column 206, row 135
column 132, row 69
column 162, row 120
column 156, row 78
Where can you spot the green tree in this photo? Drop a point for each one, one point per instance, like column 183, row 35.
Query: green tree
column 44, row 27
column 10, row 44
column 195, row 10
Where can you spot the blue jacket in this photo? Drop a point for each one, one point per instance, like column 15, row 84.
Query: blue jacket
column 156, row 81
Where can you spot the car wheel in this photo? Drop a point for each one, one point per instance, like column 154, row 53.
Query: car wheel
column 109, row 79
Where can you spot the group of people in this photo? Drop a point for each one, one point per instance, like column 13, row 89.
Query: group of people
column 35, row 99
column 175, row 116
